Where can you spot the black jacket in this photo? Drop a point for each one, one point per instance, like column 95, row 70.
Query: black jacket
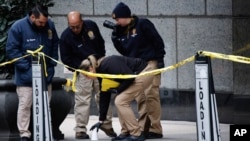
column 117, row 65
column 75, row 48
column 139, row 39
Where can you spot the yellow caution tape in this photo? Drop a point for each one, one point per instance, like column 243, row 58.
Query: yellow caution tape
column 233, row 58
column 15, row 59
column 74, row 81
column 38, row 52
column 35, row 51
column 68, row 83
column 120, row 76
column 108, row 83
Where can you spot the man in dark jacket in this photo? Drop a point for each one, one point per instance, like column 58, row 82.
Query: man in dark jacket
column 138, row 37
column 25, row 34
column 127, row 91
column 81, row 39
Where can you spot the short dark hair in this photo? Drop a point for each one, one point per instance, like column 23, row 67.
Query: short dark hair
column 38, row 10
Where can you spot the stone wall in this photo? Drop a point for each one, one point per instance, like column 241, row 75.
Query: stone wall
column 186, row 27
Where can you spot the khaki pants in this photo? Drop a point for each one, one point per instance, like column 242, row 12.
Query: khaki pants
column 24, row 109
column 127, row 118
column 153, row 102
column 85, row 87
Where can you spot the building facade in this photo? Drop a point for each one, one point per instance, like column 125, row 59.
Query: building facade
column 186, row 26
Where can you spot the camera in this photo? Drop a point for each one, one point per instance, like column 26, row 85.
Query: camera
column 109, row 24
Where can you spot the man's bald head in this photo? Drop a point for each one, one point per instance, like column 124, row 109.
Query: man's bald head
column 74, row 16
column 75, row 21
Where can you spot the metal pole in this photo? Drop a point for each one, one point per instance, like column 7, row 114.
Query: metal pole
column 215, row 118
column 47, row 115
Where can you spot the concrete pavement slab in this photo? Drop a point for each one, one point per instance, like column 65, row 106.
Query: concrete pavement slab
column 172, row 130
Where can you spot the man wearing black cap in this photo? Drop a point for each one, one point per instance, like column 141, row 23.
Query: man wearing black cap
column 137, row 37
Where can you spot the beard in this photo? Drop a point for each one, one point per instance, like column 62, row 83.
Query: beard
column 38, row 28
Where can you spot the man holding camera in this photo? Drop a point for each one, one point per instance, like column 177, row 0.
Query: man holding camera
column 79, row 40
column 136, row 37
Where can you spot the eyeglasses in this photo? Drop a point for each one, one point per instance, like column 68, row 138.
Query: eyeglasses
column 75, row 27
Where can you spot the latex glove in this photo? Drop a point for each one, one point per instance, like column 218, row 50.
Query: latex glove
column 112, row 91
column 97, row 126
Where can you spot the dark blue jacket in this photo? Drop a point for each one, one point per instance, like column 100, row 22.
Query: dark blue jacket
column 139, row 39
column 23, row 36
column 75, row 48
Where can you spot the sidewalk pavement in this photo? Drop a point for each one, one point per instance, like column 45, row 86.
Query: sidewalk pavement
column 172, row 130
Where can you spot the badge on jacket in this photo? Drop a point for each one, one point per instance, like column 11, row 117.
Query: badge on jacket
column 134, row 32
column 91, row 35
column 49, row 34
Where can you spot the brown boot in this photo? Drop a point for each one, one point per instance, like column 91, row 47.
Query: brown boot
column 109, row 132
column 82, row 135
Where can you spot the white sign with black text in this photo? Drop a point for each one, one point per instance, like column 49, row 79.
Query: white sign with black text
column 202, row 102
column 38, row 128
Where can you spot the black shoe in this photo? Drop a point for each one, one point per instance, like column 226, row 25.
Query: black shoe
column 135, row 138
column 25, row 139
column 120, row 137
column 152, row 135
column 82, row 135
column 109, row 132
column 58, row 136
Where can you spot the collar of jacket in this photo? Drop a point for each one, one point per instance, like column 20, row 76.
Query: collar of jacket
column 99, row 61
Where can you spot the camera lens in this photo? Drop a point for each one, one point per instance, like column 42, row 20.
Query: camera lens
column 108, row 24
